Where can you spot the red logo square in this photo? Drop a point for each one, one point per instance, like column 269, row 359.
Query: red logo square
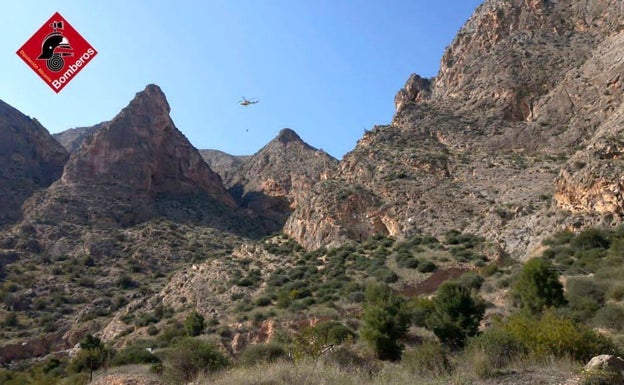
column 57, row 52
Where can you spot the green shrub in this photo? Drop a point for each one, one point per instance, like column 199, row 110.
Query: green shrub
column 133, row 355
column 556, row 335
column 407, row 260
column 561, row 238
column 427, row 359
column 611, row 317
column 587, row 288
column 333, row 332
column 456, row 314
column 126, row 282
column 427, row 267
column 602, row 377
column 591, row 239
column 421, row 309
column 261, row 353
column 188, row 357
column 263, row 301
column 499, row 346
column 245, row 282
column 386, row 320
column 471, row 280
column 616, row 293
column 194, row 324
column 538, row 286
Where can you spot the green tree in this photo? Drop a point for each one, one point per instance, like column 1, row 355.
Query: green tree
column 194, row 324
column 456, row 314
column 386, row 320
column 92, row 355
column 538, row 287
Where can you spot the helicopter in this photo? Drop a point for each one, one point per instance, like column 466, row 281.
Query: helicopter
column 246, row 102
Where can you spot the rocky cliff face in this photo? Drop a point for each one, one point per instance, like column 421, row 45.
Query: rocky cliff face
column 130, row 169
column 278, row 177
column 142, row 149
column 222, row 163
column 524, row 85
column 29, row 160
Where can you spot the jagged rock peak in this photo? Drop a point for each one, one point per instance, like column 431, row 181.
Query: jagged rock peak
column 150, row 100
column 141, row 148
column 287, row 135
column 416, row 90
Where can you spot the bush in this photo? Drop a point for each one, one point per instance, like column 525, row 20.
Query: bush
column 333, row 332
column 498, row 346
column 610, row 317
column 586, row 288
column 126, row 282
column 538, row 287
column 261, row 353
column 188, row 357
column 471, row 280
column 194, row 324
column 456, row 314
column 133, row 355
column 591, row 239
column 386, row 320
column 585, row 297
column 263, row 301
column 602, row 377
column 428, row 359
column 421, row 310
column 556, row 335
column 427, row 267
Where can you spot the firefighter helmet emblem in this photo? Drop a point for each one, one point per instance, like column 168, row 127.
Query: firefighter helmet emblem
column 55, row 46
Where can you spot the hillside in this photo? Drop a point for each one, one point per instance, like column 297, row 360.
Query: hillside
column 30, row 159
column 484, row 146
column 475, row 239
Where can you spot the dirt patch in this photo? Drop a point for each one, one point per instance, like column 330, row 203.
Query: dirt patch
column 121, row 379
column 431, row 284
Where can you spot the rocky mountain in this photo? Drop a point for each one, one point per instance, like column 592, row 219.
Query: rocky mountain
column 130, row 169
column 524, row 85
column 517, row 137
column 73, row 138
column 275, row 179
column 222, row 163
column 30, row 159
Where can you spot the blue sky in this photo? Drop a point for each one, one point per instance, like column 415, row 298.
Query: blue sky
column 329, row 69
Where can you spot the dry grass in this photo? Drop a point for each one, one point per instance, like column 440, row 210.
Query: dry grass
column 551, row 371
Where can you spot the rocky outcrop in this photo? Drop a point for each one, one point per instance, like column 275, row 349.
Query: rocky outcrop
column 522, row 87
column 592, row 180
column 512, row 52
column 276, row 179
column 73, row 138
column 416, row 90
column 223, row 163
column 142, row 149
column 136, row 167
column 606, row 362
column 30, row 159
